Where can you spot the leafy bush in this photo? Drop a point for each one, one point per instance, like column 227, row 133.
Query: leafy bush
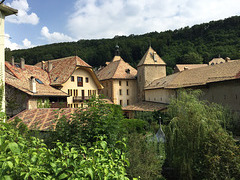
column 134, row 125
column 22, row 158
column 197, row 146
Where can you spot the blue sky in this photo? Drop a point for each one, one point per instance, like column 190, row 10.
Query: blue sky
column 41, row 22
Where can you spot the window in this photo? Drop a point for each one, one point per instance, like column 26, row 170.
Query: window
column 80, row 81
column 72, row 78
column 120, row 92
column 128, row 102
column 126, row 83
column 71, row 105
column 120, row 102
column 75, row 92
column 75, row 105
column 39, row 81
column 70, row 92
column 127, row 92
column 120, row 83
column 86, row 79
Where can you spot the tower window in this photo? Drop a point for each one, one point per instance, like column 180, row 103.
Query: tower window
column 120, row 92
column 120, row 83
column 72, row 78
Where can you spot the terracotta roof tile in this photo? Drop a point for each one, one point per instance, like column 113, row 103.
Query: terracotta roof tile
column 181, row 67
column 20, row 79
column 117, row 69
column 145, row 106
column 151, row 58
column 43, row 119
column 63, row 68
column 199, row 76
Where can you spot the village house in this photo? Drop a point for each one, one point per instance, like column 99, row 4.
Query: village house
column 119, row 81
column 73, row 76
column 28, row 87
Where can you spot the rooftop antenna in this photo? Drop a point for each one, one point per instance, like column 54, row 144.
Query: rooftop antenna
column 117, row 52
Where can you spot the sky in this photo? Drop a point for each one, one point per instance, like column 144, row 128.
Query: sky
column 41, row 22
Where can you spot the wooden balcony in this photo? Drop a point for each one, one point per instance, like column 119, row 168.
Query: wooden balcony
column 80, row 98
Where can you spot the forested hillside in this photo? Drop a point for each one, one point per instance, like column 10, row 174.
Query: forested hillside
column 197, row 44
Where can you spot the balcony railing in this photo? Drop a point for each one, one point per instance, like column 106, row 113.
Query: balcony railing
column 80, row 98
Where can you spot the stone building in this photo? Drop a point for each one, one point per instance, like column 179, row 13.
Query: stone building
column 119, row 81
column 74, row 76
column 28, row 87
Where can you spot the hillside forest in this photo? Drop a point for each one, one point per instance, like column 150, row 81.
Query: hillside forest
column 196, row 44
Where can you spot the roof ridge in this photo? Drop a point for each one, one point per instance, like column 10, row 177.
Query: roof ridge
column 118, row 61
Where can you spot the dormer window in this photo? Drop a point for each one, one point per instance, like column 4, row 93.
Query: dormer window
column 39, row 81
column 127, row 71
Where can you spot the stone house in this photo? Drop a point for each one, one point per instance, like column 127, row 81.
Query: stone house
column 73, row 76
column 119, row 81
column 27, row 87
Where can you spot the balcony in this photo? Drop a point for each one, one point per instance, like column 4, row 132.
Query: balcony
column 80, row 98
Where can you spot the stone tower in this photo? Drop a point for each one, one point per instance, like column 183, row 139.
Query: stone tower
column 150, row 67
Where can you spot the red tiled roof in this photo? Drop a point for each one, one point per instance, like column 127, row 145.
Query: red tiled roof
column 63, row 68
column 20, row 79
column 145, row 106
column 117, row 69
column 43, row 119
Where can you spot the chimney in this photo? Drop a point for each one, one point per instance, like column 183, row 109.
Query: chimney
column 185, row 68
column 22, row 63
column 12, row 61
column 43, row 64
column 50, row 66
column 227, row 59
column 33, row 86
column 154, row 57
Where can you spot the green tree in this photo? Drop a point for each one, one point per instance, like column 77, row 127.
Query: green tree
column 197, row 146
column 191, row 58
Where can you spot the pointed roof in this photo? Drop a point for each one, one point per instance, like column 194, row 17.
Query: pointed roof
column 117, row 69
column 151, row 58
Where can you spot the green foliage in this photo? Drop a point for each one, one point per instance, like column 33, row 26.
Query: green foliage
column 29, row 158
column 197, row 146
column 43, row 103
column 134, row 125
column 146, row 157
column 208, row 40
column 88, row 123
column 192, row 58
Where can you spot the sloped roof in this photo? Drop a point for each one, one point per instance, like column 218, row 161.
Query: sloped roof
column 117, row 69
column 20, row 79
column 145, row 106
column 181, row 67
column 63, row 68
column 199, row 76
column 151, row 58
column 43, row 119
column 7, row 10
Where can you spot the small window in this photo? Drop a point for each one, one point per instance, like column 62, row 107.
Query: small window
column 120, row 92
column 126, row 83
column 127, row 92
column 72, row 78
column 120, row 83
column 80, row 81
column 128, row 102
column 120, row 102
column 39, row 81
column 86, row 79
column 55, row 79
column 70, row 92
column 71, row 105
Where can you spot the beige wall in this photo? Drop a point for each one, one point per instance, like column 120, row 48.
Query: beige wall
column 87, row 86
column 226, row 93
column 128, row 88
column 160, row 95
column 147, row 74
column 2, row 58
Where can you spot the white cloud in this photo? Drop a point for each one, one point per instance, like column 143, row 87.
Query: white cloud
column 23, row 15
column 13, row 46
column 107, row 18
column 55, row 36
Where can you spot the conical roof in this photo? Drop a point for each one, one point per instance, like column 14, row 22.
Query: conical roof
column 151, row 58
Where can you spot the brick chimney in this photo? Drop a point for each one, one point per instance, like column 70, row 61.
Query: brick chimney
column 33, row 86
column 50, row 66
column 12, row 61
column 22, row 63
